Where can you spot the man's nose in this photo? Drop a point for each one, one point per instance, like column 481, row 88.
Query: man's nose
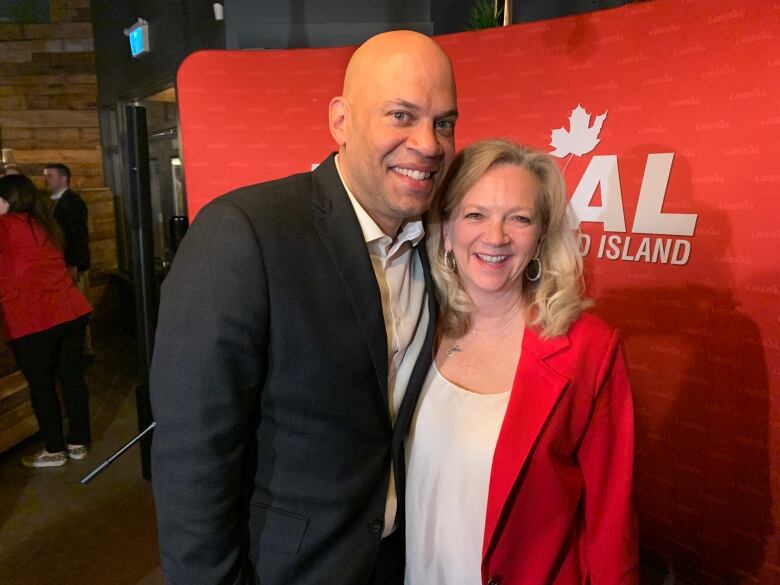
column 425, row 141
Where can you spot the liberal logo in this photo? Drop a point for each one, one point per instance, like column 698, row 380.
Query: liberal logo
column 602, row 174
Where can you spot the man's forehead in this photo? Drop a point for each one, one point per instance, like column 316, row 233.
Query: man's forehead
column 391, row 60
column 444, row 110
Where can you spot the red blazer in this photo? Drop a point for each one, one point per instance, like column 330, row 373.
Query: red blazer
column 36, row 292
column 559, row 506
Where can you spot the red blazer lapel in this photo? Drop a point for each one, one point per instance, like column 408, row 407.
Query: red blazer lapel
column 535, row 393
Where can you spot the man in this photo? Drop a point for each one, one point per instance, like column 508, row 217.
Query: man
column 296, row 328
column 70, row 211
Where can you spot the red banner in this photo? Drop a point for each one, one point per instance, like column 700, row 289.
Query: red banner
column 663, row 116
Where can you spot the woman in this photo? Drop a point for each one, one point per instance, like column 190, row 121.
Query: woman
column 44, row 317
column 520, row 454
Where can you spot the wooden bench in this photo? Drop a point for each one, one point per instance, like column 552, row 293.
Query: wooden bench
column 17, row 421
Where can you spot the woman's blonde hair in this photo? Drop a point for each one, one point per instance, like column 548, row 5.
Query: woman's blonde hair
column 555, row 300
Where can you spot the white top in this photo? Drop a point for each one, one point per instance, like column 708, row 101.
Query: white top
column 399, row 274
column 454, row 434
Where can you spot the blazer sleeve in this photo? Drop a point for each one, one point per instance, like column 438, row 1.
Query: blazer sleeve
column 606, row 458
column 208, row 368
column 76, row 231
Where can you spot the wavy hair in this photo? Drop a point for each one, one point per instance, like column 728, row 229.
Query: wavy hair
column 554, row 301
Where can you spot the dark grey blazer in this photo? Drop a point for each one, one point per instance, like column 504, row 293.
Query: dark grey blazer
column 269, row 387
column 70, row 211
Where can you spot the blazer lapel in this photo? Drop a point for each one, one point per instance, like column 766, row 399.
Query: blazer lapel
column 424, row 359
column 413, row 388
column 339, row 230
column 535, row 392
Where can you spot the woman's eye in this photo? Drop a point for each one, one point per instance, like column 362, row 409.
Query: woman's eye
column 473, row 215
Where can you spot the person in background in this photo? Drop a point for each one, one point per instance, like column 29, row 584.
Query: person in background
column 521, row 450
column 44, row 317
column 9, row 169
column 70, row 211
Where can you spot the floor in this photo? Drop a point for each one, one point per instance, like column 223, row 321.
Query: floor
column 55, row 531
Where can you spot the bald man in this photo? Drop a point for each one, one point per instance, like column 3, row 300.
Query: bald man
column 296, row 328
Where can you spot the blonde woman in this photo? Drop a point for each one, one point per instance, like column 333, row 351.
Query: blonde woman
column 520, row 455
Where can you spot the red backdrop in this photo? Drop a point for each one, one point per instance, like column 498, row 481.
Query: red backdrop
column 677, row 187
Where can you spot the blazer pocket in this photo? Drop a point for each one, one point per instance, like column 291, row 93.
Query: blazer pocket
column 275, row 529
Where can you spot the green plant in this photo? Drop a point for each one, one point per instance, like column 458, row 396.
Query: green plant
column 485, row 14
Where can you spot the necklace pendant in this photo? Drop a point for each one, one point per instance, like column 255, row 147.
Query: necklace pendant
column 452, row 350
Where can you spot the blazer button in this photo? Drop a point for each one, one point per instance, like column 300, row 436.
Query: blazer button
column 375, row 526
column 494, row 581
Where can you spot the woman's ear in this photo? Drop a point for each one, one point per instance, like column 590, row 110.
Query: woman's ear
column 445, row 236
column 539, row 245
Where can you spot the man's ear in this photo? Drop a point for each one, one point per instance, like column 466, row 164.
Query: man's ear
column 338, row 113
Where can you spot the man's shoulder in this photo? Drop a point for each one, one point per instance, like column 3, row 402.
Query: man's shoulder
column 71, row 199
column 294, row 196
column 282, row 194
column 272, row 209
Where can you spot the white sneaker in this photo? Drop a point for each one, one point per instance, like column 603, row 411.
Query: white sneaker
column 46, row 459
column 77, row 451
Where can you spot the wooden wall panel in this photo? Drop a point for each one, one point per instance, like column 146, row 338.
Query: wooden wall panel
column 48, row 113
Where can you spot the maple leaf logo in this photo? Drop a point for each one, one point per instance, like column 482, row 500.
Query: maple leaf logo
column 581, row 137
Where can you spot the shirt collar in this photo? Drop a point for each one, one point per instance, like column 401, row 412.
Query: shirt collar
column 56, row 196
column 412, row 230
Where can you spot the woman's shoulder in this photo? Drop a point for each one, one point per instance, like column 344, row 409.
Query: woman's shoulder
column 10, row 223
column 589, row 324
column 19, row 230
column 591, row 332
column 12, row 220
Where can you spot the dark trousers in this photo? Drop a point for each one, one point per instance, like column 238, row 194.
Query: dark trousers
column 45, row 356
column 389, row 568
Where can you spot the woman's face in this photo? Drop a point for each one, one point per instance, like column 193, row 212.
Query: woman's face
column 495, row 231
column 3, row 206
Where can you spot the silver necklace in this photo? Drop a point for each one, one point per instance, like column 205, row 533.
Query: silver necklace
column 455, row 348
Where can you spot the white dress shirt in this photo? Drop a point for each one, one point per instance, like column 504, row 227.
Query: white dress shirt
column 399, row 274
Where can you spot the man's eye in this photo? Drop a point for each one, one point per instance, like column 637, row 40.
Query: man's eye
column 446, row 127
column 401, row 116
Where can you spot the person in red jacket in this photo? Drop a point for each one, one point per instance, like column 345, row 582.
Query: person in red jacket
column 44, row 317
column 520, row 454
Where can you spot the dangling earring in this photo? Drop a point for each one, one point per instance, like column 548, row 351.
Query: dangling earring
column 449, row 261
column 538, row 274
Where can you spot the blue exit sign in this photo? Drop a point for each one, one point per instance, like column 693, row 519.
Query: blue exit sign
column 139, row 39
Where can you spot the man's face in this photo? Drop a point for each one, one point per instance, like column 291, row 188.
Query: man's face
column 399, row 137
column 54, row 181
